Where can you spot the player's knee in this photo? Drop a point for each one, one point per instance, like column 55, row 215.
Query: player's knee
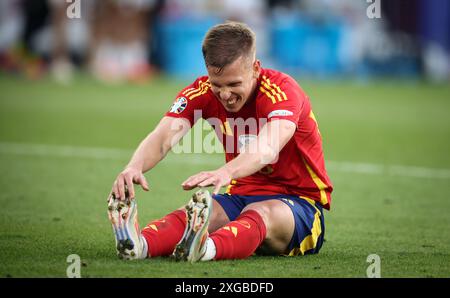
column 218, row 218
column 278, row 219
column 263, row 210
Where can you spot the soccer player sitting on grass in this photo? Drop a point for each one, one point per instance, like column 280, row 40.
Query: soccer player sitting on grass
column 277, row 185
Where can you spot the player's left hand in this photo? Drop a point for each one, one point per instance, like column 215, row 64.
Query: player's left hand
column 217, row 178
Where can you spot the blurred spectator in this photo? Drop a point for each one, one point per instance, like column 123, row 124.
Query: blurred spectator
column 11, row 23
column 70, row 38
column 434, row 27
column 21, row 27
column 120, row 40
column 111, row 36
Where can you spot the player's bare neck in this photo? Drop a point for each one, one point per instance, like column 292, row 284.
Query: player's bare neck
column 254, row 90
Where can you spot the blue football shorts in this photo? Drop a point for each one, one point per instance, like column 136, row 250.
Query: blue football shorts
column 308, row 215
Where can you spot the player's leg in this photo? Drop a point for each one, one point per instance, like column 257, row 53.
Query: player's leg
column 206, row 214
column 309, row 229
column 283, row 225
column 163, row 234
column 293, row 226
column 241, row 236
column 268, row 222
column 157, row 238
column 219, row 218
column 279, row 222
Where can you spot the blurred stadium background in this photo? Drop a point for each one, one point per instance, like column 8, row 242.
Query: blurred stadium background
column 120, row 40
column 80, row 86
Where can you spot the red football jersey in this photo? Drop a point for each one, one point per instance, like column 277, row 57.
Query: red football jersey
column 300, row 168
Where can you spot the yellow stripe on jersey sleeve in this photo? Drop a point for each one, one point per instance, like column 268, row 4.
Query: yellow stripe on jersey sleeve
column 205, row 89
column 269, row 88
column 187, row 90
column 202, row 88
column 194, row 90
column 274, row 100
column 267, row 80
column 276, row 90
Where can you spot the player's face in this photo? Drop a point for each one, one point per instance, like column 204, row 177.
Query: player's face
column 236, row 83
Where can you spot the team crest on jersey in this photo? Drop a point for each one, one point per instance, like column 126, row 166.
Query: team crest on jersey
column 179, row 105
column 244, row 140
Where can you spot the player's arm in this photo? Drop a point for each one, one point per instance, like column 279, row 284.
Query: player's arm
column 149, row 153
column 264, row 150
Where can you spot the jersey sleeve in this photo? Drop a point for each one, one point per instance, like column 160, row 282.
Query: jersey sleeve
column 191, row 101
column 281, row 101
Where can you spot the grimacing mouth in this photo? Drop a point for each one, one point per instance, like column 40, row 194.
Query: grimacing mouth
column 231, row 102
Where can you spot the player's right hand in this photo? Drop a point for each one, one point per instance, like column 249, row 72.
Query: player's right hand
column 126, row 180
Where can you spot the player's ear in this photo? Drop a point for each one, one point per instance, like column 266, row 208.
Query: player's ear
column 256, row 68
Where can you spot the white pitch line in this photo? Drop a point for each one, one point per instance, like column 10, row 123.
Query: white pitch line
column 65, row 151
column 390, row 170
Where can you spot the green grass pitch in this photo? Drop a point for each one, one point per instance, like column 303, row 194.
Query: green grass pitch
column 386, row 144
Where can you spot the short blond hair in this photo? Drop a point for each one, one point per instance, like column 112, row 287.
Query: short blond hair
column 225, row 43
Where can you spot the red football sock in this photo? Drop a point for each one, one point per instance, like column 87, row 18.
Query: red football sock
column 240, row 238
column 162, row 235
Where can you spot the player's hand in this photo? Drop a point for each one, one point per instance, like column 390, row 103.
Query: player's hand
column 216, row 178
column 126, row 179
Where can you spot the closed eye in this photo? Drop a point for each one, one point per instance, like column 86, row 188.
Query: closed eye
column 232, row 84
